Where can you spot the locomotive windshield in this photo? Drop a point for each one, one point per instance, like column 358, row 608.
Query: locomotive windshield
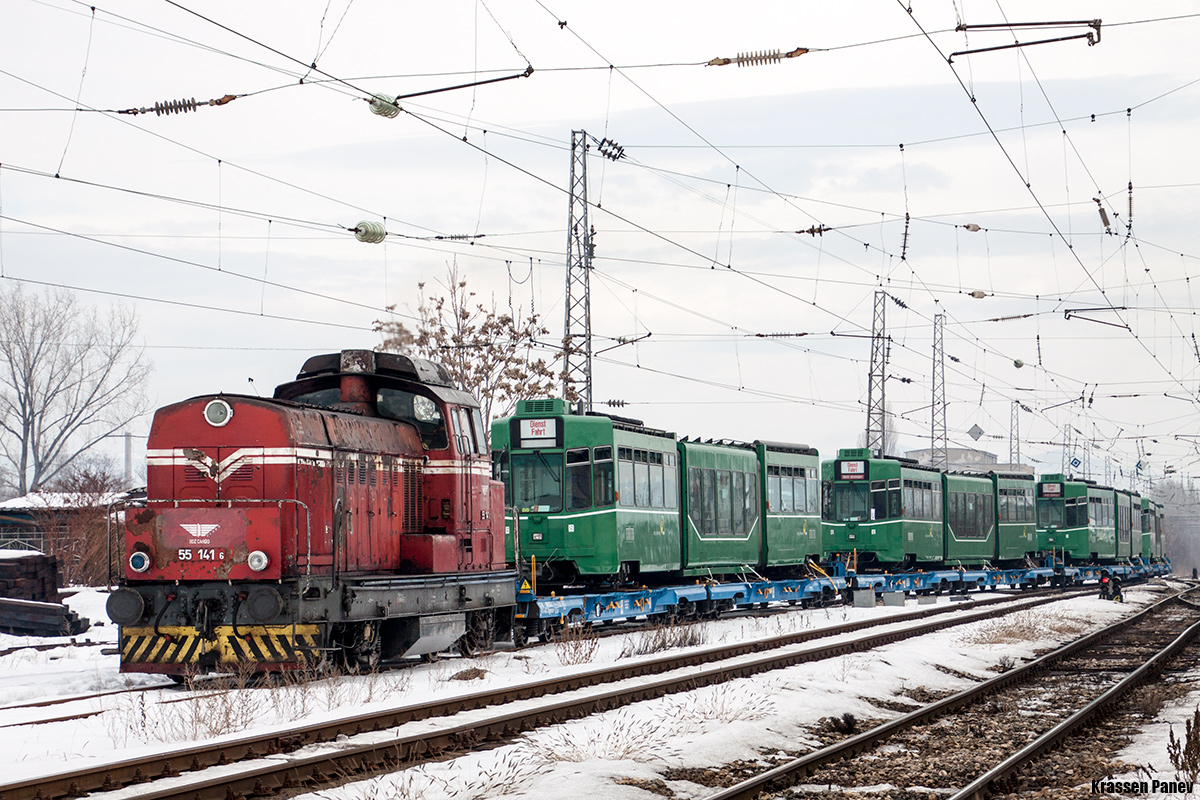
column 416, row 409
column 1050, row 512
column 537, row 482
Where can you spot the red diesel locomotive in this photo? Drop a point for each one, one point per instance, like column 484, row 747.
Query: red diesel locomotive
column 350, row 519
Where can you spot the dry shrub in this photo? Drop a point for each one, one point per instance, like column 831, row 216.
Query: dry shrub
column 1185, row 753
column 664, row 637
column 576, row 644
column 1024, row 626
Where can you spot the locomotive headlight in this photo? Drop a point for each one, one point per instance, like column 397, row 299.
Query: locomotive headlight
column 139, row 561
column 218, row 413
column 257, row 561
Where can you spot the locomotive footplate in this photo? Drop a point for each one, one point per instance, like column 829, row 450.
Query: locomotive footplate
column 169, row 648
column 364, row 599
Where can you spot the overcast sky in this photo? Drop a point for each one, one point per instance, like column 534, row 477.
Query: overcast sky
column 184, row 215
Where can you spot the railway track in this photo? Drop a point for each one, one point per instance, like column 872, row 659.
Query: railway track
column 518, row 708
column 968, row 745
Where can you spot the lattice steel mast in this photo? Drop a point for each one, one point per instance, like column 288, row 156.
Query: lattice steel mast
column 577, row 330
column 876, row 409
column 1014, row 434
column 937, row 433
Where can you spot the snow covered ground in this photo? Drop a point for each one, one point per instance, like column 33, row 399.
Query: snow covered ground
column 605, row 756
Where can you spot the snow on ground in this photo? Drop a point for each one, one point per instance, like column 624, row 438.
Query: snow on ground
column 705, row 728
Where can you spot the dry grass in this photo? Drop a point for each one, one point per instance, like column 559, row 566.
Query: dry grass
column 576, row 644
column 1024, row 626
column 243, row 699
column 664, row 637
column 619, row 736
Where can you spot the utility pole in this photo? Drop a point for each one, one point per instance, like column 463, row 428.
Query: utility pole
column 577, row 331
column 876, row 409
column 937, row 434
column 128, row 460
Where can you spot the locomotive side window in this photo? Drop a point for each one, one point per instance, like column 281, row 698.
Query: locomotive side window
column 480, row 432
column 579, row 479
column 602, row 476
column 417, row 410
column 322, row 397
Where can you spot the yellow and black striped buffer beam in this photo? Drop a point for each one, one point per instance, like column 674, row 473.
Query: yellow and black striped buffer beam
column 253, row 643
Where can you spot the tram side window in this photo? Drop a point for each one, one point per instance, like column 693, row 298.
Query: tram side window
column 579, row 479
column 773, row 490
column 814, row 492
column 799, row 493
column 894, row 498
column 656, row 480
column 695, row 490
column 708, row 501
column 878, row 500
column 625, row 475
column 670, row 481
column 738, row 502
column 602, row 477
column 751, row 501
column 724, row 501
column 911, row 509
column 641, row 479
column 786, row 501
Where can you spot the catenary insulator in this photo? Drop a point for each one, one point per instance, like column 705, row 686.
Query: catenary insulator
column 384, row 105
column 370, row 232
column 175, row 106
column 972, row 227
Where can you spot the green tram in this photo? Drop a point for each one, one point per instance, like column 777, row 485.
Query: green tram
column 603, row 499
column 895, row 513
column 1076, row 519
column 1152, row 544
column 865, row 514
column 1127, row 520
column 1016, row 517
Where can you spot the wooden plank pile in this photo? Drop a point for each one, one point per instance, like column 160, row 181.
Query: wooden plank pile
column 31, row 618
column 29, row 602
column 29, row 577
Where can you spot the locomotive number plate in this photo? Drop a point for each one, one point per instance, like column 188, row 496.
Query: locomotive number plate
column 201, row 554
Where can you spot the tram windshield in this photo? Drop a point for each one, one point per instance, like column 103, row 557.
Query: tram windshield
column 1050, row 512
column 850, row 502
column 537, row 482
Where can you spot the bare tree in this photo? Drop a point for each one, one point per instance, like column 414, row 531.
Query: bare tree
column 488, row 353
column 69, row 377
